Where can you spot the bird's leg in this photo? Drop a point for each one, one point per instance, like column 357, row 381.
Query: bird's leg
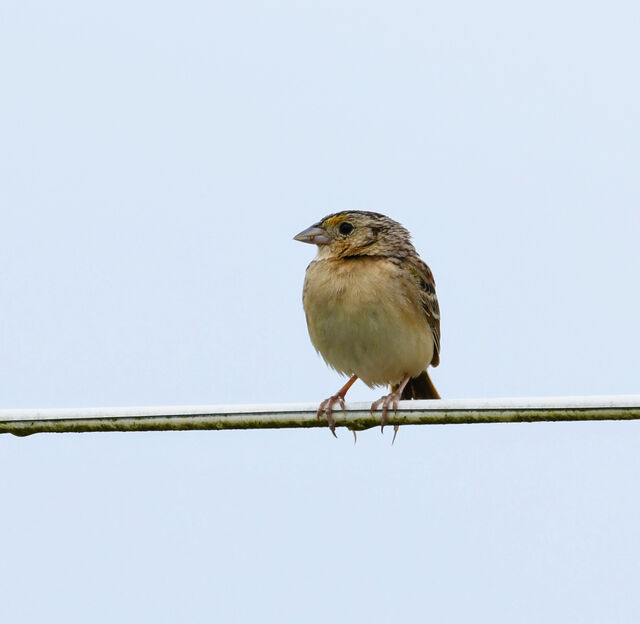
column 326, row 407
column 390, row 401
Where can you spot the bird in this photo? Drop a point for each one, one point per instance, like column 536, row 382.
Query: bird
column 371, row 308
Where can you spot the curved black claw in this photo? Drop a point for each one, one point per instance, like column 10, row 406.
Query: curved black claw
column 395, row 433
column 326, row 409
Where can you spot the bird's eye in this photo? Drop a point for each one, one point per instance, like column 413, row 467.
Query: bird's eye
column 345, row 228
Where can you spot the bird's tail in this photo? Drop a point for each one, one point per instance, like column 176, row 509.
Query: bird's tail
column 420, row 387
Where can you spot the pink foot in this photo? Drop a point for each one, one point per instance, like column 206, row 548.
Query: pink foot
column 326, row 409
column 390, row 401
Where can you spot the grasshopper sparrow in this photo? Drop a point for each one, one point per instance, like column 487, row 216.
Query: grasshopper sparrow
column 371, row 308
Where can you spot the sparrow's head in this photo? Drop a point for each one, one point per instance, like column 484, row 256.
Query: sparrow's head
column 357, row 233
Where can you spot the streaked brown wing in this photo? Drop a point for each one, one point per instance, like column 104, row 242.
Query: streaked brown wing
column 424, row 278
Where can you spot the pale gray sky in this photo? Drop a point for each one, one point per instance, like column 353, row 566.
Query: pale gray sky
column 156, row 160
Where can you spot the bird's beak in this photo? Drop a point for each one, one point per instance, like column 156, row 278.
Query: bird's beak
column 314, row 235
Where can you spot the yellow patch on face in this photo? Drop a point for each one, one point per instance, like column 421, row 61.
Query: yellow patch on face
column 334, row 220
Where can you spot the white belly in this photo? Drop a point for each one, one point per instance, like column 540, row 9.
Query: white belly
column 364, row 320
